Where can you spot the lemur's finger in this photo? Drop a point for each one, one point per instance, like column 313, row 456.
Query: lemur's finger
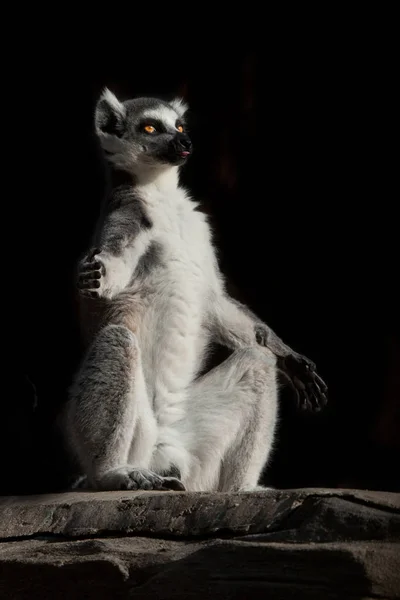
column 320, row 390
column 322, row 400
column 89, row 275
column 90, row 284
column 307, row 403
column 315, row 398
column 309, row 365
column 294, row 388
column 315, row 387
column 93, row 253
column 299, row 383
column 91, row 266
column 298, row 396
column 320, row 382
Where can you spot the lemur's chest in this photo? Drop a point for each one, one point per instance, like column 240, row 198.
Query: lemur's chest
column 182, row 235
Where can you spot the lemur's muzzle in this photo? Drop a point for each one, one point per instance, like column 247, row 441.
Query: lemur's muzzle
column 182, row 144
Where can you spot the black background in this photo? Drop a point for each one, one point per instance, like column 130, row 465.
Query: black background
column 290, row 166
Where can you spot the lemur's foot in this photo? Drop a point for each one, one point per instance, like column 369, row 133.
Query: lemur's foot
column 91, row 272
column 131, row 478
column 302, row 375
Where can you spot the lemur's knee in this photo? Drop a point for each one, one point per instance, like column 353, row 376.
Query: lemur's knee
column 111, row 357
column 117, row 343
column 118, row 335
column 257, row 357
column 257, row 370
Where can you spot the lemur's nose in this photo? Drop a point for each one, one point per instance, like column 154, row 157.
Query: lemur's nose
column 184, row 142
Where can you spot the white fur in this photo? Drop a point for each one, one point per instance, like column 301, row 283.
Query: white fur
column 165, row 114
column 196, row 425
column 171, row 362
column 219, row 429
column 180, row 106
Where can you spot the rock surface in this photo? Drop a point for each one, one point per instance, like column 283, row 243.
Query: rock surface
column 282, row 544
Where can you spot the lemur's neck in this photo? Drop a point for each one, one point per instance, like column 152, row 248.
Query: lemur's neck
column 160, row 179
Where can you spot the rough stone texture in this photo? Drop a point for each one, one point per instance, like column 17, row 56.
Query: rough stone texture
column 329, row 514
column 326, row 544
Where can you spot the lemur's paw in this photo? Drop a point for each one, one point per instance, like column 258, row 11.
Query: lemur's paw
column 310, row 388
column 91, row 274
column 172, row 478
column 131, row 478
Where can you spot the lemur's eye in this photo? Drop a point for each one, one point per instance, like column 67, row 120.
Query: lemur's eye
column 180, row 128
column 149, row 129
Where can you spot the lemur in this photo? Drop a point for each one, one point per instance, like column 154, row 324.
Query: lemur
column 140, row 415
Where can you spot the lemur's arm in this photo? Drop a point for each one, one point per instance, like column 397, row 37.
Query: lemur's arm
column 108, row 267
column 235, row 326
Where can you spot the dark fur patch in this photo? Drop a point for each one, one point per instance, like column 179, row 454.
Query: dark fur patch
column 118, row 177
column 108, row 119
column 123, row 218
column 150, row 260
column 173, row 471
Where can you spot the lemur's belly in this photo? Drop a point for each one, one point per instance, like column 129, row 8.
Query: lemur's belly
column 171, row 336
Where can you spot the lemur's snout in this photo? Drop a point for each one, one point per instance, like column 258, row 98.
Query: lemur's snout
column 182, row 144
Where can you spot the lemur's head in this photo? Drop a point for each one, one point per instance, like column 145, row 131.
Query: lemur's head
column 143, row 132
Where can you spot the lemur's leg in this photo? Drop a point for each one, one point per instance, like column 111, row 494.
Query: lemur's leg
column 231, row 422
column 110, row 421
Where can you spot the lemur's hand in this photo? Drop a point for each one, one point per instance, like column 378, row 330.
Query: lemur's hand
column 302, row 375
column 300, row 371
column 91, row 272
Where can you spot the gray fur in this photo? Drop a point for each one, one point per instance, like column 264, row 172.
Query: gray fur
column 125, row 218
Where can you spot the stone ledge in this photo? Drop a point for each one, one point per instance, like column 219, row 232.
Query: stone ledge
column 360, row 514
column 283, row 544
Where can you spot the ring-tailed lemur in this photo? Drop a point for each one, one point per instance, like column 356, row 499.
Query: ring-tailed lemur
column 139, row 415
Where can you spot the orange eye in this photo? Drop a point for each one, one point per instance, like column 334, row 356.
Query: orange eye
column 149, row 129
column 180, row 128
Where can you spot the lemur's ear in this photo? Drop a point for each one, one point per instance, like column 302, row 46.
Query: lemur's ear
column 179, row 106
column 110, row 113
